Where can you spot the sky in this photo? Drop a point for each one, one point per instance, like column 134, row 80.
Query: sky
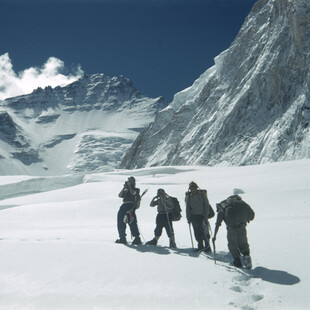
column 161, row 45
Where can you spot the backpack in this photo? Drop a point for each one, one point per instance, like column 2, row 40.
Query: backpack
column 211, row 211
column 137, row 199
column 236, row 211
column 176, row 211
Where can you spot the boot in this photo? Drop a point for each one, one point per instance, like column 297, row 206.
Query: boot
column 237, row 262
column 172, row 243
column 152, row 242
column 247, row 261
column 200, row 247
column 137, row 241
column 207, row 248
column 121, row 240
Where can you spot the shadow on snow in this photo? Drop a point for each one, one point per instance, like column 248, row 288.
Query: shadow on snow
column 224, row 259
column 263, row 273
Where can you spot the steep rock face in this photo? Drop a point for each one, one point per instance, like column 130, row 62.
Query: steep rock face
column 86, row 126
column 251, row 107
column 9, row 132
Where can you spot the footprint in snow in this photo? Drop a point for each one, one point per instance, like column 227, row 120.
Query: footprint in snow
column 236, row 289
column 257, row 297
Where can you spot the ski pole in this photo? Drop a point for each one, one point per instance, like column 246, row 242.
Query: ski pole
column 144, row 192
column 168, row 219
column 190, row 231
column 214, row 251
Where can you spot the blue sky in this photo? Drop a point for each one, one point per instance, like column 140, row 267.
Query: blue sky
column 162, row 46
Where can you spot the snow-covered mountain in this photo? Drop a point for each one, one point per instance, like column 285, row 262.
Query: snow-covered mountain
column 82, row 127
column 252, row 106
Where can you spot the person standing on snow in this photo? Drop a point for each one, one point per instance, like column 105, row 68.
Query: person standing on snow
column 197, row 213
column 164, row 205
column 126, row 213
column 235, row 213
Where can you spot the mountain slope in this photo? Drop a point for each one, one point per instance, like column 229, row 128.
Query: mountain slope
column 252, row 106
column 85, row 126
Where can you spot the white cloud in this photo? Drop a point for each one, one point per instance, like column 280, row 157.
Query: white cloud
column 24, row 82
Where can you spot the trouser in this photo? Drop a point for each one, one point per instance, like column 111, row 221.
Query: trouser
column 199, row 232
column 121, row 226
column 162, row 222
column 237, row 240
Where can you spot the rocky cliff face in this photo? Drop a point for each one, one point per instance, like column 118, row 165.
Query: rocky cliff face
column 86, row 126
column 251, row 107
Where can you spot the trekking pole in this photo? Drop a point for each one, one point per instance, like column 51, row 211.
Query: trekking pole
column 141, row 232
column 214, row 251
column 190, row 232
column 144, row 192
column 168, row 220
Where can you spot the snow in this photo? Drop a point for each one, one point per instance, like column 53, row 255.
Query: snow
column 190, row 94
column 57, row 242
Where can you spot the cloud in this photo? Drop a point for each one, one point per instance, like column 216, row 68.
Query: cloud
column 50, row 74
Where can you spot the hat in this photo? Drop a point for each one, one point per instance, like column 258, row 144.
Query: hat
column 160, row 191
column 193, row 185
column 132, row 179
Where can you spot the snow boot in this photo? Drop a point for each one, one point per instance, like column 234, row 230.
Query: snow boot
column 200, row 247
column 121, row 241
column 172, row 243
column 207, row 248
column 137, row 241
column 152, row 242
column 247, row 261
column 237, row 262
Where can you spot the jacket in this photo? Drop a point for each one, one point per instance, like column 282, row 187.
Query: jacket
column 164, row 204
column 197, row 204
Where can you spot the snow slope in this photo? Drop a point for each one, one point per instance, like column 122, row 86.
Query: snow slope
column 58, row 252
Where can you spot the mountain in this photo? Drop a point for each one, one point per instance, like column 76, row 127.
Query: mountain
column 251, row 107
column 86, row 126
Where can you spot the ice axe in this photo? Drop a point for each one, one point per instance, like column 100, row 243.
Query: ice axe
column 144, row 192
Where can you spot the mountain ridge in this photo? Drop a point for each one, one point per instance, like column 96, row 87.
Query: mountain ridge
column 251, row 107
column 85, row 126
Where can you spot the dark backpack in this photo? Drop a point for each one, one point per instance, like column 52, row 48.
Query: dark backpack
column 176, row 211
column 236, row 211
column 211, row 211
column 137, row 199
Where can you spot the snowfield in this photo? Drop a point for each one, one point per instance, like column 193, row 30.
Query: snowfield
column 57, row 242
